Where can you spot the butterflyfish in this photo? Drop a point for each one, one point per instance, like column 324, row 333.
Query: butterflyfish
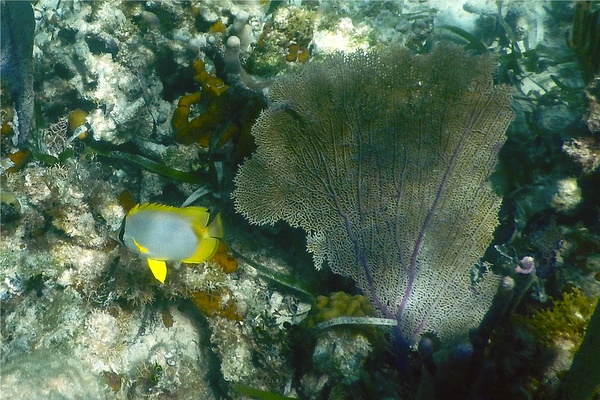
column 161, row 233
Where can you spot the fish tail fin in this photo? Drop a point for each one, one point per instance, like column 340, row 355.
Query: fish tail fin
column 208, row 241
column 199, row 217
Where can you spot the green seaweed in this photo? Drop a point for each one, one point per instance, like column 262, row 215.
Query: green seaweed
column 153, row 166
column 65, row 155
column 44, row 158
column 275, row 276
column 475, row 43
column 259, row 394
column 119, row 153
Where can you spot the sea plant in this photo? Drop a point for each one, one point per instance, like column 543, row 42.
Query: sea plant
column 383, row 157
column 585, row 38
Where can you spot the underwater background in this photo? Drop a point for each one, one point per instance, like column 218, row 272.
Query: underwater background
column 409, row 194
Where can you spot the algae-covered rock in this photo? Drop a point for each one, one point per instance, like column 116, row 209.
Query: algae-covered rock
column 49, row 375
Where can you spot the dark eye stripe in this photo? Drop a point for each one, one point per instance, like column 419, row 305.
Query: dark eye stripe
column 121, row 231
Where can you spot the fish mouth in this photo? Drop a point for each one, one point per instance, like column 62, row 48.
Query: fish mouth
column 114, row 235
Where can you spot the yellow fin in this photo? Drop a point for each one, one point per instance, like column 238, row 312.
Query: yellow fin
column 159, row 269
column 215, row 229
column 198, row 215
column 208, row 238
column 140, row 207
column 193, row 212
column 206, row 249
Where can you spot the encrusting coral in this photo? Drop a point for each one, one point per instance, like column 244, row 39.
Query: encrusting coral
column 562, row 323
column 218, row 302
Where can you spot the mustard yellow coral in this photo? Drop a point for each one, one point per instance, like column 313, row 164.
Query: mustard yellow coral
column 225, row 260
column 200, row 128
column 76, row 118
column 18, row 158
column 226, row 117
column 211, row 85
column 298, row 53
column 218, row 303
column 338, row 304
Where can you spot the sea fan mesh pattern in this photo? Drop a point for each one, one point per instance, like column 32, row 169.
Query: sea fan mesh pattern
column 383, row 158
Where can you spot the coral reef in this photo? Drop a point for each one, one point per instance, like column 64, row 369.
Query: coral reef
column 219, row 301
column 125, row 114
column 69, row 289
column 285, row 37
column 217, row 304
column 342, row 356
column 564, row 321
column 551, row 336
column 336, row 305
column 339, row 353
column 222, row 121
column 567, row 196
column 50, row 375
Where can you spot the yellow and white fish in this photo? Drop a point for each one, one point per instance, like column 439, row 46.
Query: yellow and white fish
column 162, row 233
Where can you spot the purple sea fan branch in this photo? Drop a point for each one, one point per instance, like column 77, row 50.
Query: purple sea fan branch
column 383, row 159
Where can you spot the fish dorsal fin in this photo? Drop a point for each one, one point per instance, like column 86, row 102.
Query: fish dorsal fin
column 200, row 222
column 149, row 207
column 198, row 216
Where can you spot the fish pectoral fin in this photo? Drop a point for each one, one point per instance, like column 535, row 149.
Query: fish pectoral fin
column 140, row 248
column 159, row 269
column 206, row 249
